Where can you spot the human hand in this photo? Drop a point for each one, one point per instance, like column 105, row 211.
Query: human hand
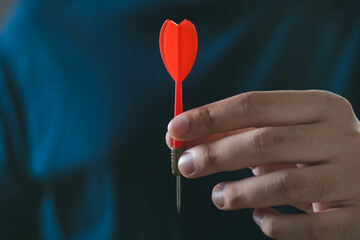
column 303, row 148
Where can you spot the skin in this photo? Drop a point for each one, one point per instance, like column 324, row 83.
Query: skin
column 303, row 148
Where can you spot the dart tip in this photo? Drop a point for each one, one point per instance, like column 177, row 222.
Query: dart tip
column 178, row 193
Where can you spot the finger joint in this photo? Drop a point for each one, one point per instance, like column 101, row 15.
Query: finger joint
column 270, row 228
column 209, row 156
column 265, row 140
column 289, row 185
column 205, row 114
column 250, row 102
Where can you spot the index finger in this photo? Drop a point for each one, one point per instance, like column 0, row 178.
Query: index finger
column 252, row 109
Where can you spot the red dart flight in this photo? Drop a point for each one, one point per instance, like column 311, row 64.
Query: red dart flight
column 178, row 47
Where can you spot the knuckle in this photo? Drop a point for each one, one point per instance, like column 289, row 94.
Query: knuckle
column 251, row 102
column 324, row 98
column 289, row 185
column 206, row 116
column 322, row 93
column 231, row 196
column 345, row 106
column 340, row 104
column 208, row 156
column 264, row 140
column 270, row 228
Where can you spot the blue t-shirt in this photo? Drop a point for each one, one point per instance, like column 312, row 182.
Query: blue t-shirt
column 85, row 101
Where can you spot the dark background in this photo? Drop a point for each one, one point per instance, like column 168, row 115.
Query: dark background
column 95, row 100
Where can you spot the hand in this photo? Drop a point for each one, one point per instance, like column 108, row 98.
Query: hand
column 304, row 150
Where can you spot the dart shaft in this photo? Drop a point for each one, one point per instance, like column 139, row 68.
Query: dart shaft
column 178, row 109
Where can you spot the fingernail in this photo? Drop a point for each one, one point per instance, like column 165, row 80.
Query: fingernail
column 186, row 164
column 179, row 125
column 218, row 195
column 257, row 218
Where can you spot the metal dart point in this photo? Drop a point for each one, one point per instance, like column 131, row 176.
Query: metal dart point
column 175, row 155
column 178, row 193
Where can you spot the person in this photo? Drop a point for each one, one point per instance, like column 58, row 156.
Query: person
column 85, row 100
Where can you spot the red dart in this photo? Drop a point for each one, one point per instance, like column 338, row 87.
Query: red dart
column 178, row 48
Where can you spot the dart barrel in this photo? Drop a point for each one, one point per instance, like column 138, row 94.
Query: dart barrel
column 175, row 155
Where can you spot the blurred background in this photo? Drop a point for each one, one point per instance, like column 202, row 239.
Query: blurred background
column 4, row 8
column 87, row 100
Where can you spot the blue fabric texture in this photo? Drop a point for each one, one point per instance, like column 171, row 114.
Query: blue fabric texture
column 85, row 101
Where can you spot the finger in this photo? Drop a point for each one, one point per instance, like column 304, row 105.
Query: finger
column 168, row 140
column 318, row 183
column 263, row 169
column 195, row 142
column 206, row 139
column 333, row 224
column 269, row 145
column 252, row 109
